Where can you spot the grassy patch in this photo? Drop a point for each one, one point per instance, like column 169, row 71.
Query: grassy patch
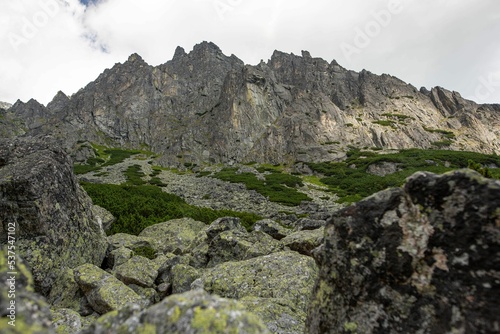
column 390, row 123
column 137, row 207
column 351, row 182
column 445, row 133
column 278, row 187
column 106, row 157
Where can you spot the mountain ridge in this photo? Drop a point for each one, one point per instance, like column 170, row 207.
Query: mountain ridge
column 206, row 107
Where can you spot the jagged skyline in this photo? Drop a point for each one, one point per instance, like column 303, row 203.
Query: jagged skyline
column 52, row 45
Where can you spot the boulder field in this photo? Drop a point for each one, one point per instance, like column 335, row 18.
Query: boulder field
column 423, row 258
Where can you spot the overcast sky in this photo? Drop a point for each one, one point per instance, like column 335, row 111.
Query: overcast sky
column 52, row 45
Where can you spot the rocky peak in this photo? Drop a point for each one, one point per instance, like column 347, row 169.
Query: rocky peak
column 58, row 103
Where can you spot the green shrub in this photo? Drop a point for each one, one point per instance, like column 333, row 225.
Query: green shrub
column 352, row 184
column 278, row 187
column 137, row 207
column 145, row 251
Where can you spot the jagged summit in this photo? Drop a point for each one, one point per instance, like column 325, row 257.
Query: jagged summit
column 204, row 106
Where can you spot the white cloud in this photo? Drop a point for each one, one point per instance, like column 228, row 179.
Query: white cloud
column 429, row 43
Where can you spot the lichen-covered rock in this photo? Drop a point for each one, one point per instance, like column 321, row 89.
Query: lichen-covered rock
column 66, row 294
column 227, row 240
column 271, row 227
column 279, row 315
column 304, row 241
column 66, row 321
column 174, row 236
column 104, row 291
column 287, row 275
column 118, row 257
column 22, row 310
column 182, row 277
column 138, row 270
column 132, row 242
column 240, row 245
column 41, row 199
column 421, row 259
column 193, row 312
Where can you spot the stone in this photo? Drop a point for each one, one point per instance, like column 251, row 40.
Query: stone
column 174, row 236
column 192, row 312
column 66, row 294
column 137, row 270
column 417, row 259
column 104, row 292
column 118, row 257
column 309, row 224
column 182, row 277
column 304, row 241
column 129, row 241
column 56, row 228
column 286, row 275
column 66, row 321
column 279, row 315
column 271, row 227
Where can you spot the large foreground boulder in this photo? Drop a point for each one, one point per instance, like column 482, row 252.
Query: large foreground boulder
column 50, row 215
column 421, row 259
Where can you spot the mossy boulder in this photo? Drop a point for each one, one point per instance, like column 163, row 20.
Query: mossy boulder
column 280, row 316
column 104, row 292
column 304, row 241
column 138, row 270
column 173, row 236
column 193, row 312
column 55, row 225
column 419, row 259
column 287, row 275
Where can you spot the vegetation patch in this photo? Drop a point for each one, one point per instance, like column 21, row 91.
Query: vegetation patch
column 387, row 122
column 351, row 181
column 134, row 175
column 278, row 187
column 137, row 207
column 446, row 134
column 106, row 157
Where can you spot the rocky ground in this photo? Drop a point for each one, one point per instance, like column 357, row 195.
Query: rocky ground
column 217, row 194
column 423, row 258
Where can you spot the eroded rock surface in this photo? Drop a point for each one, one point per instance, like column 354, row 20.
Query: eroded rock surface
column 419, row 259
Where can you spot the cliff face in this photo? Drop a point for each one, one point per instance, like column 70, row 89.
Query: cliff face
column 204, row 106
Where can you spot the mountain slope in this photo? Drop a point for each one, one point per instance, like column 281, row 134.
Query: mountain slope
column 204, row 106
